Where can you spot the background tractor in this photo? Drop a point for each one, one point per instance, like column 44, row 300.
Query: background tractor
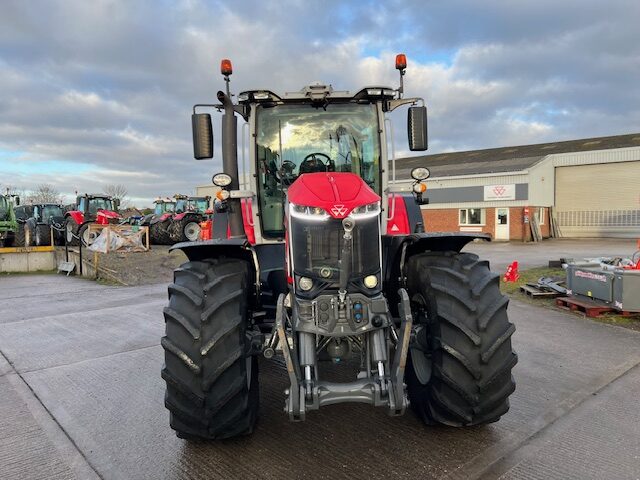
column 185, row 224
column 339, row 275
column 159, row 222
column 38, row 221
column 100, row 209
column 8, row 223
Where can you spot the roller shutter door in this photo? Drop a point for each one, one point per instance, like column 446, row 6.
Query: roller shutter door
column 600, row 200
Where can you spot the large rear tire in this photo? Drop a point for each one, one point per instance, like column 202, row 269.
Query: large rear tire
column 212, row 383
column 71, row 231
column 19, row 237
column 159, row 233
column 459, row 373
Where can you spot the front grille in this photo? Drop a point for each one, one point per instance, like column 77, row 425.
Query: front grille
column 317, row 247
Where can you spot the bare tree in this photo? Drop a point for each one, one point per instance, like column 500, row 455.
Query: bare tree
column 119, row 191
column 45, row 193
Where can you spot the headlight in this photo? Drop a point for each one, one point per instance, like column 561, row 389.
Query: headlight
column 308, row 213
column 221, row 180
column 420, row 173
column 305, row 283
column 365, row 211
column 371, row 281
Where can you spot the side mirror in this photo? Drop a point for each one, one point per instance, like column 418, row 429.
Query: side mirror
column 417, row 129
column 202, row 136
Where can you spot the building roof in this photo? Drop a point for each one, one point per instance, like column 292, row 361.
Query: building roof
column 506, row 159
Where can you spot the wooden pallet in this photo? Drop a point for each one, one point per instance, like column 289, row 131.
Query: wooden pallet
column 535, row 292
column 590, row 308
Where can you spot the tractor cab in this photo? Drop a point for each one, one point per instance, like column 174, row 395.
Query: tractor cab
column 101, row 209
column 163, row 206
column 186, row 204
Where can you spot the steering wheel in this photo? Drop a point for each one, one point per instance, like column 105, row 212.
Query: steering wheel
column 285, row 173
column 312, row 163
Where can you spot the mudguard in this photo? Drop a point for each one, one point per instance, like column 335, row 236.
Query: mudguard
column 77, row 216
column 267, row 261
column 396, row 249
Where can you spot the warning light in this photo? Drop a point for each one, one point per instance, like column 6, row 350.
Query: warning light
column 401, row 61
column 225, row 67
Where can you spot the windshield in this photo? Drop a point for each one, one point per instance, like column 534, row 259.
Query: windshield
column 297, row 139
column 96, row 204
column 192, row 205
column 163, row 207
column 49, row 211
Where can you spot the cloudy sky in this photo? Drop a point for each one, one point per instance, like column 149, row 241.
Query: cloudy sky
column 97, row 92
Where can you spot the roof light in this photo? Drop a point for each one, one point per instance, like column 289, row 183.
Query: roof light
column 261, row 95
column 243, row 97
column 401, row 61
column 374, row 91
column 387, row 92
column 225, row 67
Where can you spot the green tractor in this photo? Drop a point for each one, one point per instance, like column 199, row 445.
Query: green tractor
column 8, row 222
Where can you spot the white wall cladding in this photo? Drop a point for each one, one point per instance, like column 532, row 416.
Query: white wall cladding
column 595, row 156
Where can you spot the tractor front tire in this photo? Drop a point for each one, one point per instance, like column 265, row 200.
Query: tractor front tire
column 212, row 382
column 459, row 370
column 43, row 235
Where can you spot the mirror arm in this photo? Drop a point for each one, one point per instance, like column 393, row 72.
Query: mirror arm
column 393, row 104
column 217, row 106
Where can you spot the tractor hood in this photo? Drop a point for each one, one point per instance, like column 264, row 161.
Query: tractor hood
column 337, row 193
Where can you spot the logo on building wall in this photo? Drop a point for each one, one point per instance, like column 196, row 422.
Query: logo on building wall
column 499, row 192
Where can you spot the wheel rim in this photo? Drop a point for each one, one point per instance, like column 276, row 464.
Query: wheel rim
column 27, row 237
column 87, row 238
column 192, row 231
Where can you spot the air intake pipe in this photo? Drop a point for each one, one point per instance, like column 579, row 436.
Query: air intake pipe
column 230, row 163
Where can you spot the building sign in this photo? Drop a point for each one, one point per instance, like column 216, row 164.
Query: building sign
column 499, row 192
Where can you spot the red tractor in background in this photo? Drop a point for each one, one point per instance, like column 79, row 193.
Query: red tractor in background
column 159, row 222
column 322, row 257
column 89, row 208
column 189, row 213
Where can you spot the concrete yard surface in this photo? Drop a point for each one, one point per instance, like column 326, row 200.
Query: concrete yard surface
column 81, row 397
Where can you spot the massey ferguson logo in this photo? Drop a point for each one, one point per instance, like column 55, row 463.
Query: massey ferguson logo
column 499, row 190
column 339, row 210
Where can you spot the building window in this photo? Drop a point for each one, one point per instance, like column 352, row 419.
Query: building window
column 541, row 215
column 472, row 216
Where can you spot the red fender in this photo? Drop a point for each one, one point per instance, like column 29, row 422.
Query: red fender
column 180, row 216
column 77, row 216
column 399, row 222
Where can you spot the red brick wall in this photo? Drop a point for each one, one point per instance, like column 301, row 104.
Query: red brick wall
column 446, row 220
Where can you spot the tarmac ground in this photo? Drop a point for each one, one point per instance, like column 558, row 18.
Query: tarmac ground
column 81, row 397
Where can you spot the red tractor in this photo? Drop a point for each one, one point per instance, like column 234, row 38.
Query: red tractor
column 340, row 275
column 189, row 212
column 100, row 209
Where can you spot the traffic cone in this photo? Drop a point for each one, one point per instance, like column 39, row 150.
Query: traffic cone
column 512, row 275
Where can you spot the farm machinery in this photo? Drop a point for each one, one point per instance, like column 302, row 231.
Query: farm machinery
column 339, row 274
column 95, row 208
column 185, row 223
column 8, row 222
column 159, row 222
column 43, row 219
